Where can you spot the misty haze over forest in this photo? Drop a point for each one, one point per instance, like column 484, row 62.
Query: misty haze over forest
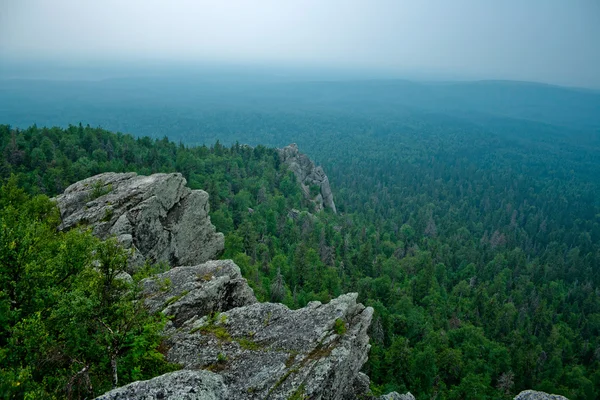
column 550, row 41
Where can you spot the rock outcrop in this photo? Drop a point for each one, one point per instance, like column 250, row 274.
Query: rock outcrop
column 184, row 293
column 533, row 395
column 397, row 396
column 266, row 350
column 157, row 216
column 229, row 345
column 259, row 350
column 180, row 385
column 308, row 175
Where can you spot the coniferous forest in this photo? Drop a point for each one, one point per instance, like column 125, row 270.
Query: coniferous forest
column 474, row 236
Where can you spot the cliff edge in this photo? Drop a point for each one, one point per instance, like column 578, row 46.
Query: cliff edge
column 308, row 176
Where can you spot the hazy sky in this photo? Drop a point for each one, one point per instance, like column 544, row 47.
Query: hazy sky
column 555, row 41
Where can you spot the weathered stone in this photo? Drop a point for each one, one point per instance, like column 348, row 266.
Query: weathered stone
column 397, row 396
column 157, row 216
column 267, row 350
column 308, row 174
column 533, row 395
column 179, row 385
column 360, row 388
column 187, row 292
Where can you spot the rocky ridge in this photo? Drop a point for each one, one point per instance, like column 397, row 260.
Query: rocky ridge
column 258, row 350
column 308, row 175
column 229, row 345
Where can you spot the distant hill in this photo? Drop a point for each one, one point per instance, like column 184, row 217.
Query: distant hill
column 180, row 106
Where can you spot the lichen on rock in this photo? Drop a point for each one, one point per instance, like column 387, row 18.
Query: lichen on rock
column 184, row 384
column 186, row 292
column 157, row 216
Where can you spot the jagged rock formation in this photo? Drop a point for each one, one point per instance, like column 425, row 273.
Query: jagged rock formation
column 200, row 290
column 533, row 395
column 308, row 175
column 259, row 350
column 266, row 350
column 157, row 216
column 185, row 384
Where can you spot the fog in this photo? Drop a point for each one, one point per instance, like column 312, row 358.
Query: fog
column 553, row 41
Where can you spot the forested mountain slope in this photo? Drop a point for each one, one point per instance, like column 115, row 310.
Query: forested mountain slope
column 478, row 250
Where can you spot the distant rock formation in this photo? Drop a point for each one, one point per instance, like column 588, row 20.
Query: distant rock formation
column 308, row 175
column 157, row 216
column 533, row 395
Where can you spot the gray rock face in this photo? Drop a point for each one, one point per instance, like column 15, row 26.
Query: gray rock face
column 397, row 396
column 308, row 175
column 249, row 350
column 157, row 216
column 533, row 395
column 262, row 350
column 179, row 385
column 360, row 387
column 187, row 292
column 266, row 350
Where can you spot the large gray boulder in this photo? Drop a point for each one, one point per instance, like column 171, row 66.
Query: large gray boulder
column 179, row 385
column 157, row 216
column 265, row 350
column 308, row 175
column 259, row 350
column 183, row 293
column 534, row 395
column 397, row 396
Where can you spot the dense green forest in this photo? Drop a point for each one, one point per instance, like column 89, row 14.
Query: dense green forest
column 478, row 248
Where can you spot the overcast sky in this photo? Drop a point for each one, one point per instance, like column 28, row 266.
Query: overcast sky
column 556, row 41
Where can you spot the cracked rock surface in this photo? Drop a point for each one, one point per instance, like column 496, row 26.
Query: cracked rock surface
column 266, row 350
column 157, row 216
column 184, row 293
column 179, row 385
column 258, row 350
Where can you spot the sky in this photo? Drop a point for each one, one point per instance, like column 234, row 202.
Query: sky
column 553, row 41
